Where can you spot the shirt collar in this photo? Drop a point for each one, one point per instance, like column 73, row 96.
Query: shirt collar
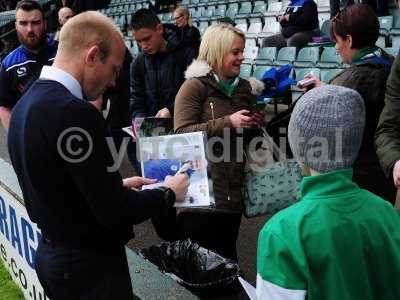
column 66, row 79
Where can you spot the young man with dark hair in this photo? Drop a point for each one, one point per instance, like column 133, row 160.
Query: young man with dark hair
column 158, row 72
column 23, row 65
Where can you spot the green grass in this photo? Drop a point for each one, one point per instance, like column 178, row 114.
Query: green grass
column 8, row 289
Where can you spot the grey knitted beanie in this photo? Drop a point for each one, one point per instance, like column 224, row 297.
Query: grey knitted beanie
column 326, row 128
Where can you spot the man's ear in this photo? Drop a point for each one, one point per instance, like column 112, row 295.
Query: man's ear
column 160, row 29
column 92, row 55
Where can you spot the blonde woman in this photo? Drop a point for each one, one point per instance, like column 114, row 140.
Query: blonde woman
column 215, row 100
column 190, row 35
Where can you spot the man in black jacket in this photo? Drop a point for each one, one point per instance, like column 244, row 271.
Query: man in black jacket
column 158, row 72
column 299, row 24
column 58, row 144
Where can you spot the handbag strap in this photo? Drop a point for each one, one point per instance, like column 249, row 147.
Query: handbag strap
column 276, row 151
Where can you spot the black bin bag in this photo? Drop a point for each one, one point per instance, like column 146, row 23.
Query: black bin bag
column 203, row 272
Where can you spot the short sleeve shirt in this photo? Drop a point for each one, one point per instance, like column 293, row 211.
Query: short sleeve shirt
column 20, row 69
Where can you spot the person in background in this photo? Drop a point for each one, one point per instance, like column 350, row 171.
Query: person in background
column 339, row 241
column 59, row 150
column 23, row 65
column 387, row 136
column 355, row 31
column 189, row 35
column 214, row 99
column 157, row 72
column 64, row 14
column 299, row 24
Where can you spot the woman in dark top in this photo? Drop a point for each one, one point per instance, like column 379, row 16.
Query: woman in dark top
column 355, row 31
column 299, row 24
column 190, row 35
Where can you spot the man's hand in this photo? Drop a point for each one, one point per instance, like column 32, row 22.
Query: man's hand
column 163, row 113
column 179, row 184
column 137, row 182
column 396, row 174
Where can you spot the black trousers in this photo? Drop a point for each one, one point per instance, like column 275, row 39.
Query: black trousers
column 69, row 273
column 214, row 231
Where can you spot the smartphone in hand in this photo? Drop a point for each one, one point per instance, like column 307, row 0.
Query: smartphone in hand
column 305, row 82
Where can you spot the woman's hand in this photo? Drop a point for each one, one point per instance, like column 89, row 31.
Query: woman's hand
column 317, row 83
column 242, row 119
column 258, row 116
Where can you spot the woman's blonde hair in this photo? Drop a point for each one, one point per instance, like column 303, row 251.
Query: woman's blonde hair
column 184, row 11
column 216, row 42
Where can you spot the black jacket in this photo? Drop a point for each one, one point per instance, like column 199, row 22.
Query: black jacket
column 188, row 36
column 118, row 96
column 301, row 18
column 156, row 79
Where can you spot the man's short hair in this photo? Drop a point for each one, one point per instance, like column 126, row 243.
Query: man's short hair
column 360, row 22
column 29, row 5
column 86, row 29
column 144, row 18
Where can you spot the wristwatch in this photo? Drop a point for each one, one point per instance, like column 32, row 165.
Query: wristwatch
column 169, row 195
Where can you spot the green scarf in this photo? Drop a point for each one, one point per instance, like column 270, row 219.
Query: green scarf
column 366, row 53
column 227, row 87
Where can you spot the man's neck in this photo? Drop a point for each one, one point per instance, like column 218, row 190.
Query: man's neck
column 70, row 68
column 163, row 47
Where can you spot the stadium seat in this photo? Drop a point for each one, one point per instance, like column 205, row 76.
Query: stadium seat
column 328, row 74
column 274, row 9
column 242, row 25
column 322, row 17
column 392, row 51
column 329, row 59
column 260, row 70
column 206, row 14
column 255, row 28
column 219, row 12
column 232, row 11
column 307, row 57
column 286, row 55
column 203, row 3
column 285, row 3
column 193, row 3
column 202, row 27
column 325, row 28
column 395, row 30
column 260, row 7
column 266, row 56
column 245, row 70
column 245, row 10
column 385, row 24
column 271, row 26
column 323, row 6
column 250, row 53
column 381, row 42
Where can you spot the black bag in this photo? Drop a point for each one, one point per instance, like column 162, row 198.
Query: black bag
column 200, row 270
